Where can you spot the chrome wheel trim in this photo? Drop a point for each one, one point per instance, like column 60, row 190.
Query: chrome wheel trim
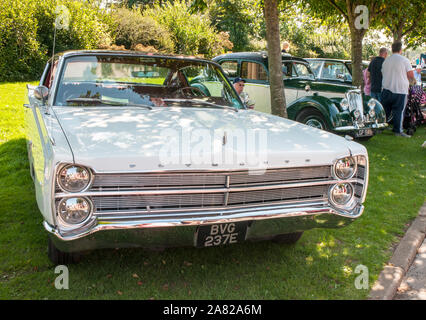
column 314, row 123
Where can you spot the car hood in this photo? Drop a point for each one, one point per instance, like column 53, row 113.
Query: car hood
column 109, row 139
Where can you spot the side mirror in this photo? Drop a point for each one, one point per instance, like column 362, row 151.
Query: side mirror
column 41, row 93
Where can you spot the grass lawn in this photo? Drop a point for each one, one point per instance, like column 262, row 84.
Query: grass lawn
column 320, row 266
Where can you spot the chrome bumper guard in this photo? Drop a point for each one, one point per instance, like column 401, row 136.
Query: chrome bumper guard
column 264, row 222
column 355, row 127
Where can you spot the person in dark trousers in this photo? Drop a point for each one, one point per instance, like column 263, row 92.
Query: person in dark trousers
column 397, row 72
column 374, row 73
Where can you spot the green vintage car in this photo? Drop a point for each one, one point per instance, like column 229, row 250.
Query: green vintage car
column 328, row 106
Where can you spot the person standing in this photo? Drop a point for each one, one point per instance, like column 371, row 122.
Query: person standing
column 397, row 72
column 286, row 47
column 374, row 73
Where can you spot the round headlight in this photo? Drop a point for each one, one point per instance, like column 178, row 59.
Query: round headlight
column 341, row 194
column 73, row 178
column 344, row 104
column 74, row 211
column 345, row 168
column 357, row 114
column 372, row 104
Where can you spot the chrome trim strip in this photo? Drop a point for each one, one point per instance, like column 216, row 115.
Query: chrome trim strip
column 192, row 211
column 373, row 126
column 208, row 190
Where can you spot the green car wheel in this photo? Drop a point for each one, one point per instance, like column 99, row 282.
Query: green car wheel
column 312, row 118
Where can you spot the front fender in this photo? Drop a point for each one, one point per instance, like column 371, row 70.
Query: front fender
column 378, row 109
column 322, row 104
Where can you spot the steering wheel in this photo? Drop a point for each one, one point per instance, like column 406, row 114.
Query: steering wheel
column 185, row 91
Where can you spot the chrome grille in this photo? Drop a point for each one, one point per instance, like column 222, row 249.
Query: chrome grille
column 204, row 190
column 158, row 181
column 354, row 98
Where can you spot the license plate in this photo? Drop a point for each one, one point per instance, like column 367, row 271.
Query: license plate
column 220, row 234
column 364, row 133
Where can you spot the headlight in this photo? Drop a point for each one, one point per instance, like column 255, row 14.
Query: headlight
column 372, row 103
column 357, row 114
column 345, row 168
column 344, row 104
column 73, row 178
column 74, row 211
column 341, row 194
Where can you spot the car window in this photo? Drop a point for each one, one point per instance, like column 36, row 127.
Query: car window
column 253, row 71
column 315, row 67
column 230, row 68
column 334, row 70
column 303, row 71
column 289, row 70
column 95, row 80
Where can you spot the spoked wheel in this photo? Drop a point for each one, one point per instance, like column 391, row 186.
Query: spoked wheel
column 312, row 118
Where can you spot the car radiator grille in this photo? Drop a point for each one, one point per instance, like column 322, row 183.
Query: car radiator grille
column 355, row 102
column 186, row 191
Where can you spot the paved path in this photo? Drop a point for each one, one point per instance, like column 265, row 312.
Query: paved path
column 413, row 285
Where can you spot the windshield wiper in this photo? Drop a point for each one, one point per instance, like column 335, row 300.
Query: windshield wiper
column 107, row 102
column 197, row 101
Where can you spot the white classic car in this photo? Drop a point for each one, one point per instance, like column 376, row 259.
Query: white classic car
column 131, row 149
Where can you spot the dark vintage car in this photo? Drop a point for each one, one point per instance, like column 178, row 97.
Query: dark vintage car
column 321, row 104
column 334, row 70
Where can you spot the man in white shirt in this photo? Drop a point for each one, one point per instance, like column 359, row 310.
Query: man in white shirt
column 397, row 72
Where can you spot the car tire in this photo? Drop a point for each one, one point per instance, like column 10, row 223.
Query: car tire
column 59, row 257
column 313, row 118
column 288, row 238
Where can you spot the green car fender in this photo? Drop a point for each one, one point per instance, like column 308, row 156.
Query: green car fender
column 322, row 104
column 378, row 109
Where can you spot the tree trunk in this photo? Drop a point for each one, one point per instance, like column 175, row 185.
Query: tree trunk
column 278, row 104
column 356, row 53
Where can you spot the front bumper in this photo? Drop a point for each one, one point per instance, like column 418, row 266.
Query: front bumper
column 358, row 130
column 264, row 223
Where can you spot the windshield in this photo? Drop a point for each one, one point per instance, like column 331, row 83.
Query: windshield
column 95, row 80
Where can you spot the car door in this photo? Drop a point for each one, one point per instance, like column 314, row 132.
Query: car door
column 38, row 139
column 304, row 79
column 257, row 84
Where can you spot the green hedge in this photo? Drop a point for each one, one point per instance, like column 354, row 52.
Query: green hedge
column 192, row 33
column 131, row 28
column 27, row 30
